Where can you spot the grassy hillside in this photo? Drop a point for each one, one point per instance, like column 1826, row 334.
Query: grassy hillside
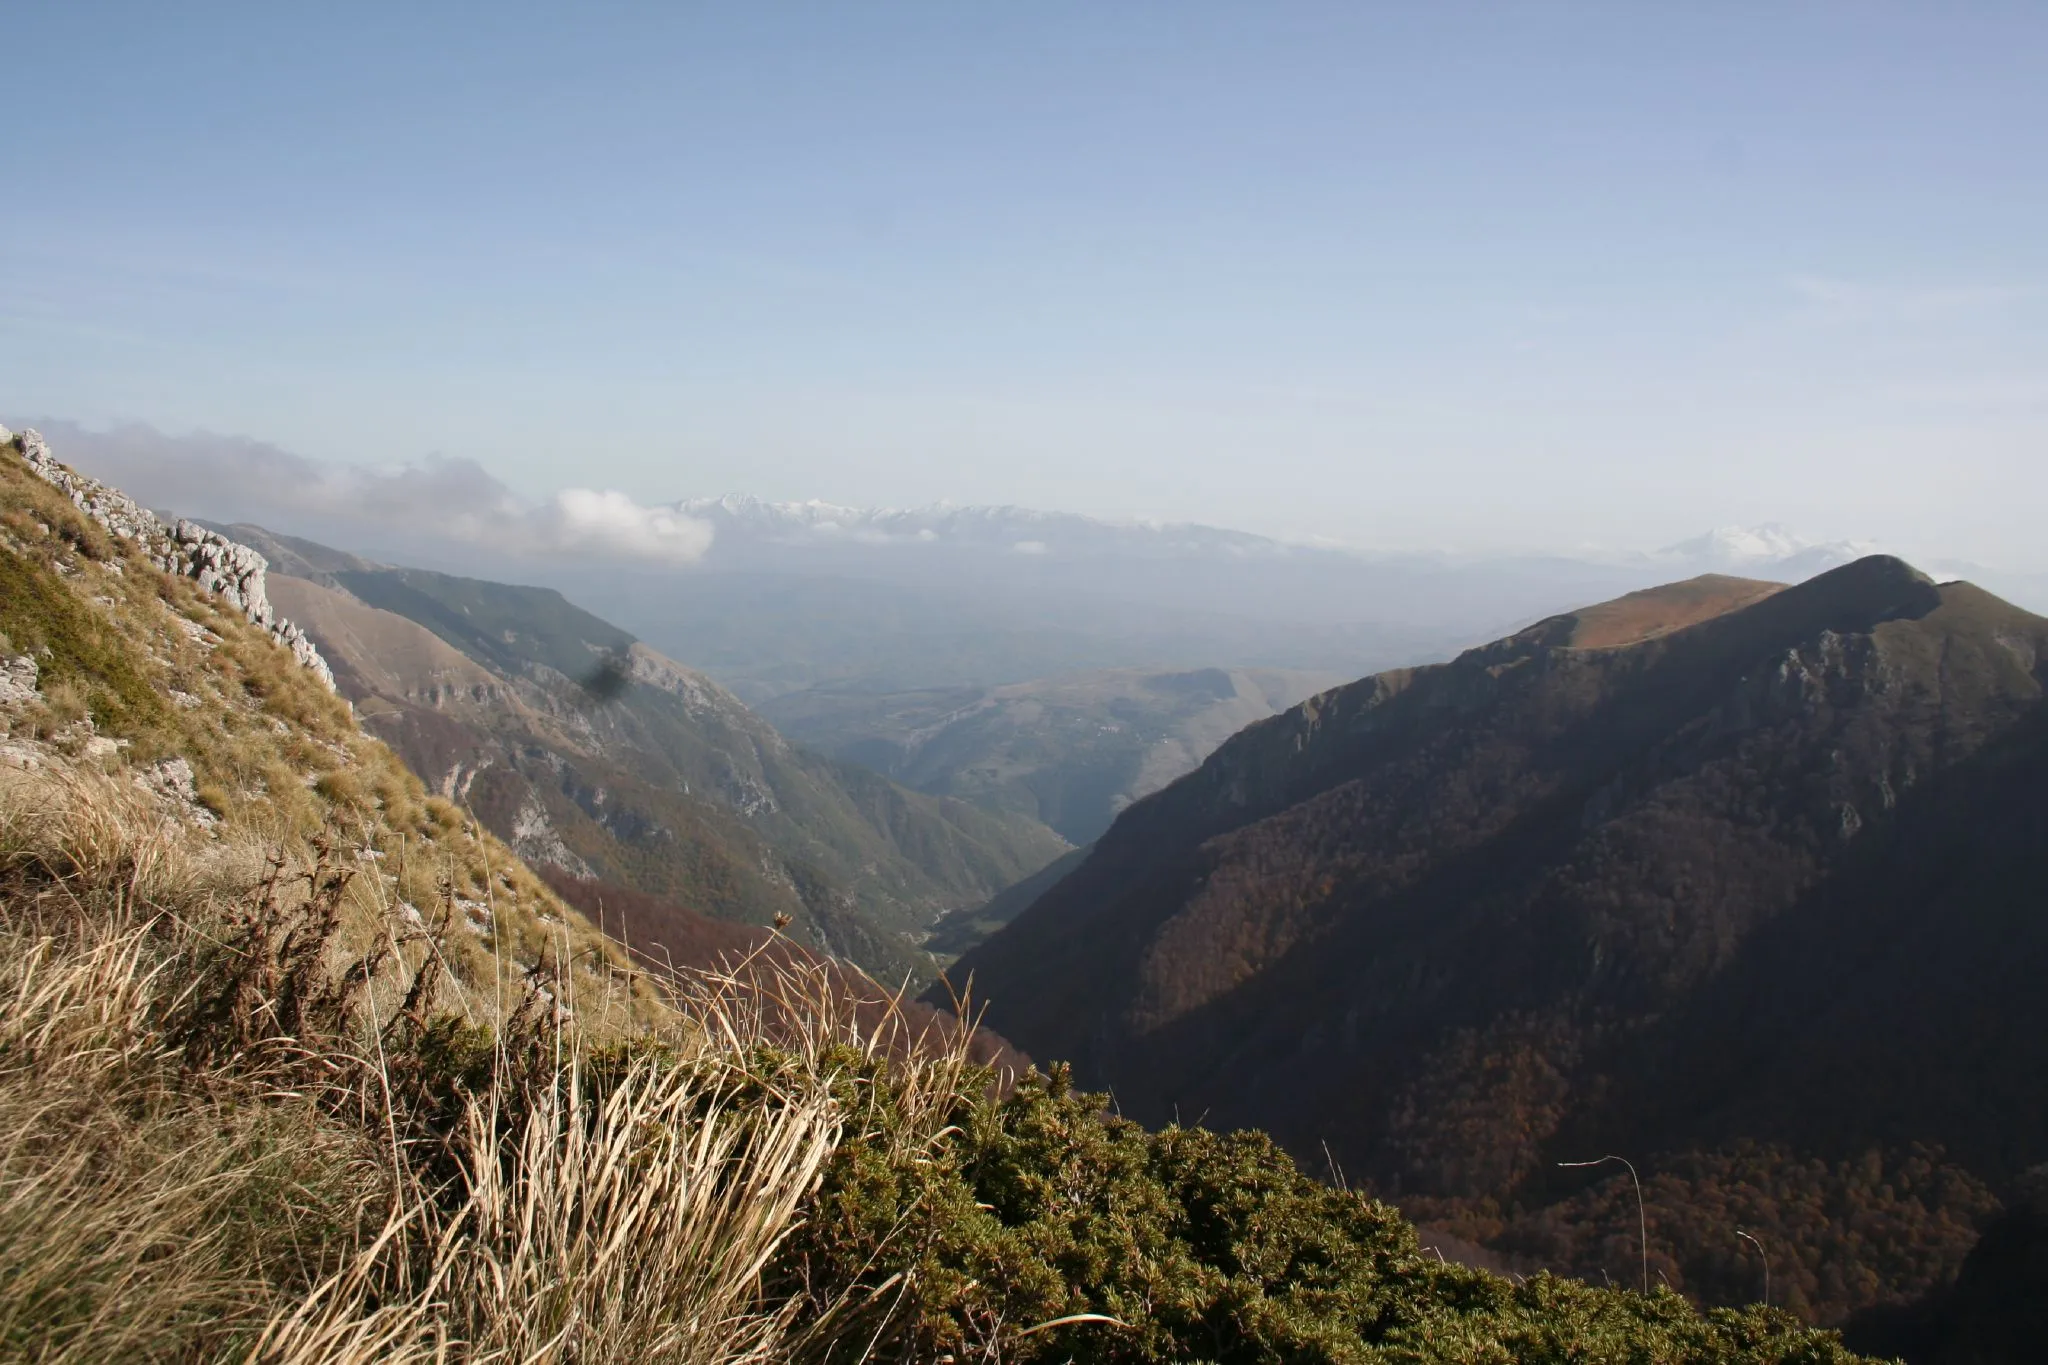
column 590, row 751
column 1753, row 901
column 152, row 682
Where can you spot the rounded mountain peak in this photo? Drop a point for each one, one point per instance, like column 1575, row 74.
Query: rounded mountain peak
column 1864, row 592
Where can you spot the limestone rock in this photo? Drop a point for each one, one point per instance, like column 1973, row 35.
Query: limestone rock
column 18, row 678
column 221, row 566
column 535, row 839
column 171, row 782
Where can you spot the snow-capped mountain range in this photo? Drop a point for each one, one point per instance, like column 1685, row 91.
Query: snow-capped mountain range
column 1769, row 549
column 1220, row 595
column 1005, row 529
column 743, row 525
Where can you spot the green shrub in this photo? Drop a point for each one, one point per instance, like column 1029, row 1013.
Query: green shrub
column 1037, row 1228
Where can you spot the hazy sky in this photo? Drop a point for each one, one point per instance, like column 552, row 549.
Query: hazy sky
column 1400, row 274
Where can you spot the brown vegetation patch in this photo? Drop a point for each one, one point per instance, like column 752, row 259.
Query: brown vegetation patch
column 672, row 940
column 1644, row 615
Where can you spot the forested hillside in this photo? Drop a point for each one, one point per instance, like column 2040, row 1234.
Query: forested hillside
column 1743, row 884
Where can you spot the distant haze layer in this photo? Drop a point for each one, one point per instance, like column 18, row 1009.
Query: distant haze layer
column 773, row 598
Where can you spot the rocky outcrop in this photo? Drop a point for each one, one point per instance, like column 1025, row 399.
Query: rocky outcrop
column 18, row 677
column 172, row 783
column 535, row 839
column 221, row 566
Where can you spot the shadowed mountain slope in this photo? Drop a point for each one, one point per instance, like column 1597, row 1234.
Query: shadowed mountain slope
column 590, row 752
column 1757, row 901
column 1074, row 751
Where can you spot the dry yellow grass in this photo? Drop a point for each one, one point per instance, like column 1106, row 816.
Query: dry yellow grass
column 205, row 1157
column 1651, row 612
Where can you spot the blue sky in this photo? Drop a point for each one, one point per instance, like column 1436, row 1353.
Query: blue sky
column 1512, row 274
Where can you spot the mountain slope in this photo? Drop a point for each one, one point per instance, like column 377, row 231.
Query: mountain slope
column 1744, row 900
column 589, row 751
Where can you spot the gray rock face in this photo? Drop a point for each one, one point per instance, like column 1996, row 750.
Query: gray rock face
column 171, row 782
column 221, row 566
column 535, row 839
column 18, row 679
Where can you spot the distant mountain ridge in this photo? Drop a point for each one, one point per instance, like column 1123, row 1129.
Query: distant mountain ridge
column 1769, row 547
column 792, row 596
column 1005, row 528
column 747, row 522
column 1739, row 881
column 795, row 595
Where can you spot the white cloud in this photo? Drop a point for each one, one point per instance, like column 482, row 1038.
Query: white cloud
column 232, row 478
column 584, row 521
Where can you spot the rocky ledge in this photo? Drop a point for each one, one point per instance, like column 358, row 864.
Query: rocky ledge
column 221, row 566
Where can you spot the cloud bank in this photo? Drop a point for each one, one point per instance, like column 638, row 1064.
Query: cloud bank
column 232, row 478
column 585, row 521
